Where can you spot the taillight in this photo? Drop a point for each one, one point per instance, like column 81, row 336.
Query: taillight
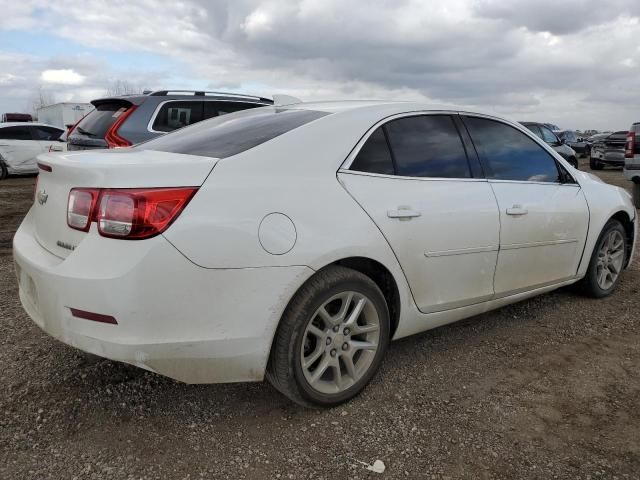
column 629, row 149
column 111, row 137
column 127, row 213
column 80, row 207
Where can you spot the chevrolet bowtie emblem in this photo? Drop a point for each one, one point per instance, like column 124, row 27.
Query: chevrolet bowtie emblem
column 42, row 197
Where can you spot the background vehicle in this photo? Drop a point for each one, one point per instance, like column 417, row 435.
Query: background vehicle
column 552, row 126
column 542, row 131
column 297, row 241
column 63, row 115
column 20, row 143
column 609, row 151
column 575, row 141
column 130, row 119
column 16, row 117
column 632, row 161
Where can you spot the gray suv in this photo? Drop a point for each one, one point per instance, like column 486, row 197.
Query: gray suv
column 130, row 119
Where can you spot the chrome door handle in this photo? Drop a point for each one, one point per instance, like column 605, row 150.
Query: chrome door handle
column 517, row 210
column 403, row 213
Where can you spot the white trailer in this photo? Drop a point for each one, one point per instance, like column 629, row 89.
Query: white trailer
column 63, row 114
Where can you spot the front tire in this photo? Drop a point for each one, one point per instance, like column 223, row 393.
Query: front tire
column 607, row 261
column 3, row 171
column 636, row 194
column 594, row 164
column 331, row 339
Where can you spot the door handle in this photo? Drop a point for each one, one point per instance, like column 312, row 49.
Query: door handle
column 517, row 210
column 403, row 213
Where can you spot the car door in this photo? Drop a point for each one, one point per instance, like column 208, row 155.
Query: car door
column 413, row 178
column 543, row 212
column 17, row 148
column 47, row 138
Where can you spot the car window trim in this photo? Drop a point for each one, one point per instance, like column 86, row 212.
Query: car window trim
column 346, row 164
column 200, row 100
column 552, row 153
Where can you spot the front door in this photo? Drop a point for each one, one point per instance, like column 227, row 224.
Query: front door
column 543, row 213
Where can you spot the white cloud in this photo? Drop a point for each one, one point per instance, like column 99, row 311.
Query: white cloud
column 62, row 77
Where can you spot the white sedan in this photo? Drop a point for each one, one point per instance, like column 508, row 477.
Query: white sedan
column 21, row 143
column 294, row 242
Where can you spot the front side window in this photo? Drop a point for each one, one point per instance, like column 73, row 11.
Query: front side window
column 508, row 154
column 548, row 136
column 46, row 133
column 15, row 133
column 174, row 115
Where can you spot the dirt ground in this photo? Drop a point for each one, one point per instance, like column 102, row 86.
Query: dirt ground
column 547, row 388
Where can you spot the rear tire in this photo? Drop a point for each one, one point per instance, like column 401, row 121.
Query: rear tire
column 607, row 261
column 331, row 339
column 3, row 171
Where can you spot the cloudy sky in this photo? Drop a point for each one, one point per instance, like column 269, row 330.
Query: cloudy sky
column 571, row 62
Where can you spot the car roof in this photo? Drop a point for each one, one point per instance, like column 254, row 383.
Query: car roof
column 383, row 107
column 22, row 124
column 163, row 95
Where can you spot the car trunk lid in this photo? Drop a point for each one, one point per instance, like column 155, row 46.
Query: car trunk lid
column 104, row 169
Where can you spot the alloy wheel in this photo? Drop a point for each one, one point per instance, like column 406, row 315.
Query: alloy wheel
column 340, row 342
column 610, row 259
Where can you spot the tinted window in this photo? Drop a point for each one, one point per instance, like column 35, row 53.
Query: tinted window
column 213, row 109
column 374, row 156
column 15, row 133
column 548, row 136
column 229, row 135
column 535, row 129
column 45, row 133
column 508, row 154
column 98, row 121
column 174, row 115
column 427, row 146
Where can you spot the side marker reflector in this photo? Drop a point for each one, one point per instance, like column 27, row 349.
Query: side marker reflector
column 96, row 317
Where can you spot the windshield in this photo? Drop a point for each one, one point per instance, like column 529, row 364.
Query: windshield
column 231, row 134
column 98, row 121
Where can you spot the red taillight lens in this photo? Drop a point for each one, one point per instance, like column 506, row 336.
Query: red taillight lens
column 111, row 137
column 629, row 149
column 80, row 207
column 128, row 213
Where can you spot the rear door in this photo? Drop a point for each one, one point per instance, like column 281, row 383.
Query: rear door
column 414, row 179
column 47, row 138
column 18, row 150
column 543, row 212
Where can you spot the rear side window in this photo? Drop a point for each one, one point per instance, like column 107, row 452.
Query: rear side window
column 98, row 121
column 228, row 135
column 548, row 136
column 15, row 133
column 174, row 115
column 508, row 154
column 46, row 133
column 374, row 156
column 427, row 146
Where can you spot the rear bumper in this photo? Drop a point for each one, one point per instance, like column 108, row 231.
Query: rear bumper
column 610, row 158
column 189, row 323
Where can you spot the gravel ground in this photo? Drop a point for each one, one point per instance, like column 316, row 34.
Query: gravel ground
column 547, row 388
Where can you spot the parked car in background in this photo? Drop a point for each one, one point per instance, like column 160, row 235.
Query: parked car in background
column 63, row 115
column 126, row 120
column 21, row 143
column 632, row 161
column 296, row 242
column 575, row 141
column 597, row 137
column 552, row 126
column 542, row 131
column 16, row 117
column 609, row 151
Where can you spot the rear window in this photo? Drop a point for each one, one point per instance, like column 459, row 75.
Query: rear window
column 97, row 122
column 228, row 135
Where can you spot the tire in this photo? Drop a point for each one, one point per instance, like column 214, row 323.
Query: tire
column 574, row 162
column 305, row 333
column 594, row 164
column 636, row 194
column 3, row 171
column 616, row 252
